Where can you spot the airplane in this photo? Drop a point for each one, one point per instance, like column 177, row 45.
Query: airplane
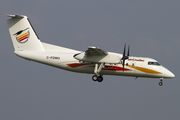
column 94, row 60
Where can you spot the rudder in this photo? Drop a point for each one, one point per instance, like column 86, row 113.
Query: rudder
column 23, row 36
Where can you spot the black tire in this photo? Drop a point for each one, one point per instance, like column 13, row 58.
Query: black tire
column 94, row 77
column 160, row 83
column 100, row 79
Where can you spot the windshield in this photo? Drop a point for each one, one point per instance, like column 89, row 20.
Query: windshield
column 154, row 63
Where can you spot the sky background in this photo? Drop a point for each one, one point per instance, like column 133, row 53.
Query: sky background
column 32, row 91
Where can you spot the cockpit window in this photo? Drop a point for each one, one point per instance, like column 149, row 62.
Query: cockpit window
column 154, row 63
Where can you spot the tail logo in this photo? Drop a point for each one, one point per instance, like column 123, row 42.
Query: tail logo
column 22, row 36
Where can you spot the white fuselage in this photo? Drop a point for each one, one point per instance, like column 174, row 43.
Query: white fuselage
column 63, row 58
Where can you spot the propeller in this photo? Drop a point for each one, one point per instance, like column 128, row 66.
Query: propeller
column 124, row 55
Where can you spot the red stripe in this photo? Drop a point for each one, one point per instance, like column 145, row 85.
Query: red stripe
column 112, row 68
column 23, row 38
column 115, row 68
column 74, row 65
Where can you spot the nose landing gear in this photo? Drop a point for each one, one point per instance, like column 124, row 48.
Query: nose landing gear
column 161, row 82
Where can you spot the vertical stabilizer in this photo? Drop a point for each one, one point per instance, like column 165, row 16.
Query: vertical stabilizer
column 23, row 36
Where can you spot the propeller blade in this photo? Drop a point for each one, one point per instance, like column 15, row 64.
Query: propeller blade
column 124, row 55
column 128, row 50
column 123, row 64
column 124, row 50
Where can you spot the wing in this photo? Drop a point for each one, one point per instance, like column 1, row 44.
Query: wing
column 96, row 55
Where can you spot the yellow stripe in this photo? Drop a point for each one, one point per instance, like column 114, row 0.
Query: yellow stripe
column 22, row 35
column 146, row 70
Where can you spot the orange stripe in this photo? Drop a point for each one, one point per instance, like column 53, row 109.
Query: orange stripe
column 22, row 35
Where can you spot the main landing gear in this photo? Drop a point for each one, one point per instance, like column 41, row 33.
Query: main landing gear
column 161, row 82
column 97, row 78
column 97, row 70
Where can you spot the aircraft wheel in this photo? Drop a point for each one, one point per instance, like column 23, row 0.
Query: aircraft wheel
column 100, row 79
column 160, row 83
column 94, row 77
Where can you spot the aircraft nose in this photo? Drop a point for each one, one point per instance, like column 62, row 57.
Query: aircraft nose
column 168, row 74
column 171, row 75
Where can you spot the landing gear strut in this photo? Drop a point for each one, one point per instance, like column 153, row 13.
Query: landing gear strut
column 97, row 78
column 97, row 70
column 161, row 82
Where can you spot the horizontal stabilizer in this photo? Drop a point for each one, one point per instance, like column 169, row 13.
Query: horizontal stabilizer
column 16, row 16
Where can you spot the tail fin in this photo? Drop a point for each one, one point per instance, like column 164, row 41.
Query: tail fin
column 23, row 35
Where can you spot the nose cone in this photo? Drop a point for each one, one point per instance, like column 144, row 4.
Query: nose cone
column 168, row 74
column 171, row 75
